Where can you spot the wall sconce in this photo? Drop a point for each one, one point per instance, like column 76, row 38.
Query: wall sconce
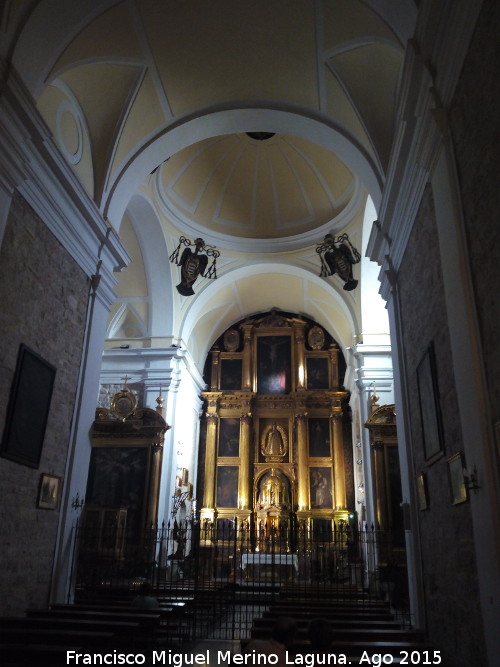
column 338, row 255
column 193, row 264
column 470, row 479
column 77, row 503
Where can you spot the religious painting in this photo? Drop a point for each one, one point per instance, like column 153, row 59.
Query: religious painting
column 229, row 436
column 231, row 373
column 49, row 491
column 317, row 373
column 274, row 356
column 28, row 409
column 227, row 486
column 319, row 436
column 320, row 485
column 429, row 406
column 118, row 478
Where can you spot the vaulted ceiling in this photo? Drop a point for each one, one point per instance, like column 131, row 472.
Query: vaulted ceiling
column 155, row 106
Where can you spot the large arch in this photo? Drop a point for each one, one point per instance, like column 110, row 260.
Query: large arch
column 212, row 122
column 236, row 294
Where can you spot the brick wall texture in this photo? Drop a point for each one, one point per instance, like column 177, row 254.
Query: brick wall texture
column 43, row 295
column 476, row 137
column 448, row 559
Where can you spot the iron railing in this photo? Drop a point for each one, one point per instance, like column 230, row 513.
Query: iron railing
column 224, row 575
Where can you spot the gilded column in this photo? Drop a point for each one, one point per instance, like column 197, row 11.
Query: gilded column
column 211, row 445
column 300, row 359
column 247, row 358
column 214, row 377
column 154, row 483
column 338, row 460
column 302, row 471
column 244, row 481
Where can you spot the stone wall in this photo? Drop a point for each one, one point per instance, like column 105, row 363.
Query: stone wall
column 44, row 296
column 476, row 137
column 448, row 560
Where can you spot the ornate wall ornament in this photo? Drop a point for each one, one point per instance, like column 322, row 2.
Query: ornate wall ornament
column 123, row 404
column 194, row 263
column 231, row 340
column 338, row 255
column 316, row 338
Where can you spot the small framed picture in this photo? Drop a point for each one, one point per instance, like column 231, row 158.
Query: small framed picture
column 423, row 498
column 185, row 476
column 457, row 481
column 49, row 492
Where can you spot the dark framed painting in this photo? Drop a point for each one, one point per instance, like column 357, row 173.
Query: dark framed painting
column 28, row 408
column 320, row 485
column 430, row 413
column 457, row 481
column 49, row 492
column 318, row 429
column 229, row 436
column 118, row 478
column 274, row 363
column 227, row 486
column 231, row 374
column 317, row 373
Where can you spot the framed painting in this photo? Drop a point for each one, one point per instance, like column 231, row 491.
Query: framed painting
column 231, row 374
column 227, row 486
column 317, row 373
column 274, row 362
column 229, row 436
column 319, row 437
column 48, row 492
column 320, row 485
column 28, row 409
column 457, row 481
column 430, row 413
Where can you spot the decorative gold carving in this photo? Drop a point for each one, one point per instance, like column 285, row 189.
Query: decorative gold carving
column 231, row 340
column 123, row 404
column 316, row 338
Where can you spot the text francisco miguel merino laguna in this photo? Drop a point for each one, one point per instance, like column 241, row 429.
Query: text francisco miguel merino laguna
column 203, row 658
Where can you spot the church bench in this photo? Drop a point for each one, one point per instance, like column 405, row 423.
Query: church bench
column 39, row 655
column 52, row 623
column 263, row 631
column 337, row 623
column 96, row 640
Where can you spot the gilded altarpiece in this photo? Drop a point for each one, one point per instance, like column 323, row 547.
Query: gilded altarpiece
column 274, row 442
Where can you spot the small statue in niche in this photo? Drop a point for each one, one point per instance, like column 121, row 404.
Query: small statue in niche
column 274, row 444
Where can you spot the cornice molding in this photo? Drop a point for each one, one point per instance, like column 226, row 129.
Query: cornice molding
column 429, row 79
column 31, row 163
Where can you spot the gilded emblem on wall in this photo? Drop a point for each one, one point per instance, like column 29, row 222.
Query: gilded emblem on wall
column 316, row 338
column 123, row 404
column 231, row 340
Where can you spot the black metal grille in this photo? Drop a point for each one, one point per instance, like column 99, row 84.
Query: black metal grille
column 220, row 577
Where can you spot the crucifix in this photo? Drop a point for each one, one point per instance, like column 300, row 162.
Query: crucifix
column 125, row 379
